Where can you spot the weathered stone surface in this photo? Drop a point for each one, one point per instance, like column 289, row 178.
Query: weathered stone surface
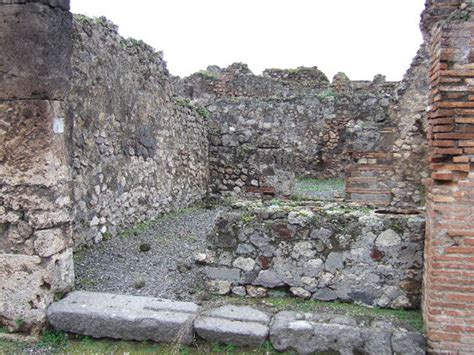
column 37, row 282
column 124, row 317
column 49, row 242
column 219, row 287
column 388, row 238
column 309, row 333
column 44, row 34
column 237, row 325
column 223, row 273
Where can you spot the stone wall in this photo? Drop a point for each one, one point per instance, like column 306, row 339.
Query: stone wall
column 136, row 152
column 35, row 194
column 389, row 168
column 448, row 279
column 323, row 252
column 320, row 127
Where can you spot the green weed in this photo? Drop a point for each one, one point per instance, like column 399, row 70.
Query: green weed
column 53, row 338
column 327, row 94
column 203, row 112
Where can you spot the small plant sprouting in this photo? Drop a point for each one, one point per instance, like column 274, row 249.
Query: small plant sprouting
column 207, row 74
column 276, row 202
column 20, row 322
column 217, row 348
column 268, row 347
column 326, row 94
column 136, row 42
column 53, row 338
column 183, row 102
column 203, row 112
column 247, row 217
column 229, row 349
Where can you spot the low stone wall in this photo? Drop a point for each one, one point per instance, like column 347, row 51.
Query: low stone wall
column 136, row 152
column 322, row 252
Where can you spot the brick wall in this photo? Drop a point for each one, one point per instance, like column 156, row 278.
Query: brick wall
column 449, row 247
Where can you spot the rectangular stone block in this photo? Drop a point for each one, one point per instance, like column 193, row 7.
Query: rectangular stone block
column 104, row 315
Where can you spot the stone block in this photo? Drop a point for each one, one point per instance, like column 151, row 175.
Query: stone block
column 36, row 50
column 312, row 333
column 33, row 154
column 237, row 325
column 27, row 287
column 49, row 242
column 104, row 315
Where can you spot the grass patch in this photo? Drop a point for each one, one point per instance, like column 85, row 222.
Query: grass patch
column 52, row 338
column 77, row 344
column 320, row 185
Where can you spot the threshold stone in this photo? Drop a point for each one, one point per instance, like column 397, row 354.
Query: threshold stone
column 106, row 315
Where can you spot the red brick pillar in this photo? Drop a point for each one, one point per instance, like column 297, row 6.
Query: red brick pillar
column 449, row 248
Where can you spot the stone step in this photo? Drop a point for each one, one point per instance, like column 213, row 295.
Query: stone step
column 309, row 333
column 237, row 325
column 104, row 315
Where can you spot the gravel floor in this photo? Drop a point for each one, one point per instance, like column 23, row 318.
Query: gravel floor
column 167, row 270
column 318, row 189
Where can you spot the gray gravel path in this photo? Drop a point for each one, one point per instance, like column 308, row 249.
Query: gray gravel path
column 167, row 270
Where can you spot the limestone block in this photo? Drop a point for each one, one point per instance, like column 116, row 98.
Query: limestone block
column 49, row 241
column 24, row 295
column 103, row 315
column 33, row 154
column 237, row 325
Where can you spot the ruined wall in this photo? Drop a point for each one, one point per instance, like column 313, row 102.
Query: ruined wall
column 448, row 279
column 389, row 167
column 35, row 194
column 322, row 252
column 136, row 152
column 298, row 110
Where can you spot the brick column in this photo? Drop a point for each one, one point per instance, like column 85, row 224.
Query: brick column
column 449, row 248
column 35, row 211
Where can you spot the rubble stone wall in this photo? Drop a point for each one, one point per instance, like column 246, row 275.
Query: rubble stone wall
column 323, row 252
column 321, row 127
column 136, row 151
